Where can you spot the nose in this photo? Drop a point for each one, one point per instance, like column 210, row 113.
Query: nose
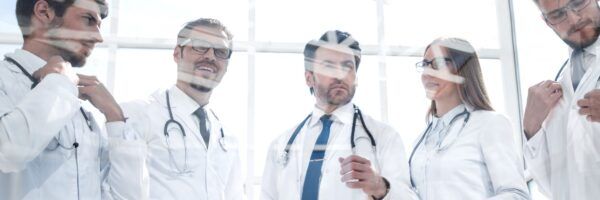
column 210, row 54
column 573, row 16
column 96, row 36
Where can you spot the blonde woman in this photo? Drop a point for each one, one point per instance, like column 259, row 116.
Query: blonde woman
column 467, row 150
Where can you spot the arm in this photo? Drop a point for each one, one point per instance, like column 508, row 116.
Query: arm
column 502, row 161
column 394, row 165
column 27, row 126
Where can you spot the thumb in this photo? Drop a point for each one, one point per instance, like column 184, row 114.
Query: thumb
column 341, row 159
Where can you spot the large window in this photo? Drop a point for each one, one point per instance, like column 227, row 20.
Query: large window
column 264, row 93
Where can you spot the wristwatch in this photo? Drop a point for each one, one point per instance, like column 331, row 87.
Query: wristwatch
column 387, row 189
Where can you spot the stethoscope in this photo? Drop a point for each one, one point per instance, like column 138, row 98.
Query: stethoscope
column 75, row 144
column 284, row 157
column 464, row 113
column 172, row 122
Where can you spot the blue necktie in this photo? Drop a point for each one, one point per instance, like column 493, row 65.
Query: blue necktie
column 201, row 114
column 578, row 70
column 310, row 190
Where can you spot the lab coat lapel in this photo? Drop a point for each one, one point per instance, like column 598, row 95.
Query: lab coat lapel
column 578, row 125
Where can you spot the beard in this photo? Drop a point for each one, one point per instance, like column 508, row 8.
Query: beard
column 333, row 97
column 65, row 47
column 584, row 42
column 204, row 83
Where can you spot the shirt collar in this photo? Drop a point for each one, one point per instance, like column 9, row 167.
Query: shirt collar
column 343, row 114
column 591, row 50
column 447, row 118
column 182, row 101
column 28, row 60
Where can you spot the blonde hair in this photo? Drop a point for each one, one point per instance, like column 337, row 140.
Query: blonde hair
column 472, row 92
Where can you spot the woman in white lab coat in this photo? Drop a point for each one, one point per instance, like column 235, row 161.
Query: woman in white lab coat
column 467, row 150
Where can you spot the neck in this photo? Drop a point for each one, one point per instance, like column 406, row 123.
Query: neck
column 328, row 108
column 443, row 106
column 199, row 97
column 38, row 48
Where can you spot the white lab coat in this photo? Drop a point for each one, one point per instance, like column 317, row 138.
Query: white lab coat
column 478, row 162
column 286, row 182
column 31, row 165
column 150, row 173
column 563, row 157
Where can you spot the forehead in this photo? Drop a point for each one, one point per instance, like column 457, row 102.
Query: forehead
column 334, row 52
column 85, row 6
column 209, row 34
column 550, row 5
column 436, row 51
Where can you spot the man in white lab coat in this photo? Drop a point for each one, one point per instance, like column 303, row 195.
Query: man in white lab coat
column 50, row 148
column 563, row 148
column 180, row 149
column 315, row 159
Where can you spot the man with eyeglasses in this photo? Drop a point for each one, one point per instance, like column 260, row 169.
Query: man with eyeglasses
column 563, row 148
column 180, row 149
column 336, row 152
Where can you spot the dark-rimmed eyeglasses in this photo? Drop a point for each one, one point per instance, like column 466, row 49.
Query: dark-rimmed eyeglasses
column 433, row 63
column 201, row 47
column 559, row 15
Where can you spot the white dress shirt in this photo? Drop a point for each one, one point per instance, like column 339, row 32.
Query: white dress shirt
column 155, row 166
column 476, row 160
column 34, row 123
column 285, row 182
column 563, row 157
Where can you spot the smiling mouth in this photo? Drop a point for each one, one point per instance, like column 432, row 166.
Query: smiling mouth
column 206, row 69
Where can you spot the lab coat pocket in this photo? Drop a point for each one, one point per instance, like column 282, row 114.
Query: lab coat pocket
column 183, row 155
column 219, row 165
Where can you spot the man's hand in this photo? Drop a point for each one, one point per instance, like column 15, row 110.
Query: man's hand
column 93, row 90
column 590, row 105
column 56, row 64
column 357, row 173
column 541, row 99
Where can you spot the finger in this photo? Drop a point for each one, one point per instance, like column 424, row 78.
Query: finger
column 56, row 59
column 585, row 111
column 593, row 118
column 340, row 159
column 357, row 185
column 584, row 103
column 555, row 87
column 88, row 82
column 355, row 158
column 354, row 166
column 593, row 93
column 353, row 176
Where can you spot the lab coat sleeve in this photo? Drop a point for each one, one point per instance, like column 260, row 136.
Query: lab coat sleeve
column 128, row 177
column 504, row 165
column 537, row 160
column 269, row 178
column 27, row 125
column 235, row 184
column 394, row 165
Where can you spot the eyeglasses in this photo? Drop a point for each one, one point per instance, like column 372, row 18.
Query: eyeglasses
column 202, row 46
column 559, row 15
column 434, row 63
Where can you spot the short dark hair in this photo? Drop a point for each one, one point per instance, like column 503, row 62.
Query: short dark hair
column 184, row 33
column 331, row 37
column 336, row 37
column 24, row 10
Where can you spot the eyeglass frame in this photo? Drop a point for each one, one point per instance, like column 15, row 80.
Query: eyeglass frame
column 421, row 65
column 207, row 47
column 568, row 7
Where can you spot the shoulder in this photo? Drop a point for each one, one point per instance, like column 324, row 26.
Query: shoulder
column 488, row 117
